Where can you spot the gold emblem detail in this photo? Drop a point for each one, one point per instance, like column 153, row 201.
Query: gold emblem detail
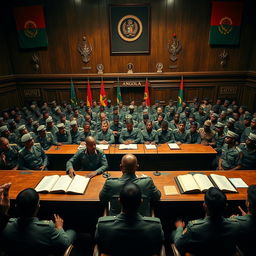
column 225, row 26
column 30, row 29
column 129, row 28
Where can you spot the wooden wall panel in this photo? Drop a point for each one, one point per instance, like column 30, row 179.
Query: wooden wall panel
column 67, row 21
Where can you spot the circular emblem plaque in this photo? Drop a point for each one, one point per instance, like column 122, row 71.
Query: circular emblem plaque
column 225, row 26
column 30, row 29
column 129, row 28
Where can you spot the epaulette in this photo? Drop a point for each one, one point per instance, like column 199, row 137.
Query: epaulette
column 159, row 130
column 36, row 144
column 48, row 132
column 197, row 222
column 107, row 219
column 13, row 145
column 43, row 222
column 151, row 219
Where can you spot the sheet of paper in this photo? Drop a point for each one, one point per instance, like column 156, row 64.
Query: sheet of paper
column 170, row 190
column 173, row 146
column 238, row 183
column 129, row 146
column 150, row 146
column 102, row 146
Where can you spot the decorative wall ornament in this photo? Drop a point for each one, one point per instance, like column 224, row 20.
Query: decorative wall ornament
column 174, row 47
column 159, row 67
column 130, row 67
column 85, row 49
column 224, row 57
column 35, row 62
column 100, row 68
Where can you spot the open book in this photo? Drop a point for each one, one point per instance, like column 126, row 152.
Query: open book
column 199, row 183
column 173, row 146
column 129, row 146
column 63, row 184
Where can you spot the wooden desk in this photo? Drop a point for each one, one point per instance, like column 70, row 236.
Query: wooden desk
column 25, row 179
column 189, row 157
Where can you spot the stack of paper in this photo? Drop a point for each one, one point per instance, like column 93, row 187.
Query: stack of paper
column 129, row 146
column 173, row 146
column 102, row 146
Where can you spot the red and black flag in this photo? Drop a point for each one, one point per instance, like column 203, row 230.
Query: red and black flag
column 30, row 25
column 225, row 23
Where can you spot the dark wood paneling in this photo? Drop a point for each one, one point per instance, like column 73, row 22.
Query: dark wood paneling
column 67, row 21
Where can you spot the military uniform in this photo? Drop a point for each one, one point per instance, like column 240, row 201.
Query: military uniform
column 173, row 125
column 124, row 235
column 219, row 142
column 11, row 157
column 165, row 136
column 75, row 136
column 230, row 157
column 134, row 135
column 18, row 141
column 83, row 135
column 248, row 161
column 47, row 141
column 200, row 118
column 246, row 133
column 149, row 136
column 53, row 130
column 157, row 125
column 32, row 160
column 180, row 136
column 207, row 136
column 67, row 124
column 247, row 239
column 208, row 237
column 34, row 237
column 113, row 186
column 83, row 161
column 64, row 138
column 193, row 138
column 107, row 136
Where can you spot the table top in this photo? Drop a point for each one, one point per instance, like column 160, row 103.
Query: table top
column 141, row 149
column 25, row 179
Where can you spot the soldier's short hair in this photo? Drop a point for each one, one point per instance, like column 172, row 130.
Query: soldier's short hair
column 216, row 202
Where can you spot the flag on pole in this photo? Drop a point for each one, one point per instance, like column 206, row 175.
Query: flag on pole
column 103, row 97
column 180, row 95
column 118, row 93
column 89, row 95
column 225, row 23
column 73, row 95
column 30, row 24
column 146, row 94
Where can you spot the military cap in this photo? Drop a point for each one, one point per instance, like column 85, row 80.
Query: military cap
column 229, row 110
column 41, row 128
column 49, row 119
column 252, row 137
column 215, row 115
column 26, row 137
column 3, row 128
column 131, row 107
column 232, row 134
column 223, row 112
column 57, row 108
column 35, row 122
column 61, row 125
column 207, row 123
column 22, row 127
column 219, row 125
column 145, row 111
column 254, row 119
column 231, row 120
column 73, row 122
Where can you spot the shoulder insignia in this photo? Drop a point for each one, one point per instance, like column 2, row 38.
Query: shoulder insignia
column 107, row 218
column 13, row 145
column 197, row 222
column 151, row 219
column 43, row 222
column 36, row 144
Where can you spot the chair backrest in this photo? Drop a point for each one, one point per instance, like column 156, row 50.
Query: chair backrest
column 115, row 206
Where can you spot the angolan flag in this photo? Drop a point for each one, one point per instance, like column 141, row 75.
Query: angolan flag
column 30, row 25
column 225, row 23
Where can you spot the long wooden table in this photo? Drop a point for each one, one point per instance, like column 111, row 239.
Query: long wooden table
column 24, row 179
column 189, row 157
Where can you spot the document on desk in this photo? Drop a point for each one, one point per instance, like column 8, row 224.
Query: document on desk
column 102, row 146
column 238, row 183
column 150, row 146
column 170, row 190
column 129, row 146
column 173, row 146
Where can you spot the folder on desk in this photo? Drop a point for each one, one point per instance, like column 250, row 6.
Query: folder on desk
column 173, row 146
column 129, row 146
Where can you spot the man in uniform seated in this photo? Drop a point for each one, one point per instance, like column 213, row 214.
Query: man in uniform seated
column 129, row 233
column 149, row 136
column 213, row 235
column 9, row 155
column 105, row 136
column 88, row 159
column 207, row 134
column 63, row 136
column 74, row 132
column 32, row 156
column 165, row 134
column 130, row 135
column 4, row 132
column 27, row 235
column 113, row 186
column 86, row 133
column 180, row 135
column 45, row 139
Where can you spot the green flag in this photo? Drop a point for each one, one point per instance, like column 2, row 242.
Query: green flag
column 180, row 95
column 118, row 93
column 73, row 95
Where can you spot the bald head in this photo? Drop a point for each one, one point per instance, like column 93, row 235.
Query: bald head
column 90, row 144
column 129, row 164
column 4, row 143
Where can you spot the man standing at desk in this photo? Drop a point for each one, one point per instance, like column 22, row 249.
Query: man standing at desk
column 88, row 159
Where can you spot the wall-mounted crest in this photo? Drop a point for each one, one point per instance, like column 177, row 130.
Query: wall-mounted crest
column 174, row 47
column 85, row 49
